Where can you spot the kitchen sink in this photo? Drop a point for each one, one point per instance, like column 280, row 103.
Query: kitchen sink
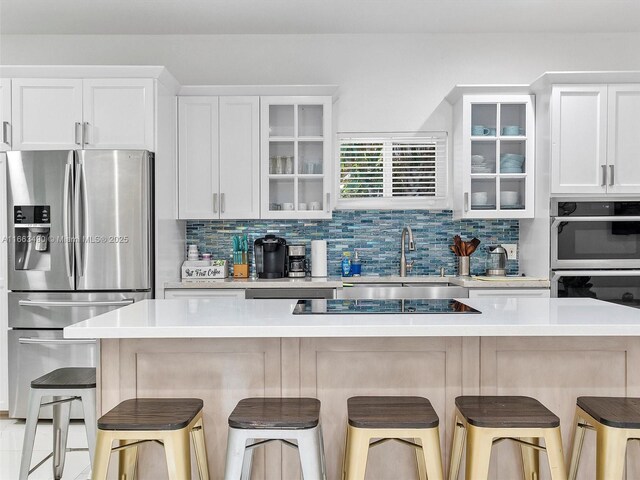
column 400, row 291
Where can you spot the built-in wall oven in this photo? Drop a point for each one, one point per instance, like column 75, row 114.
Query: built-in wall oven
column 595, row 250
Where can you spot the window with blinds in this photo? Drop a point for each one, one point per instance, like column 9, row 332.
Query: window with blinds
column 392, row 170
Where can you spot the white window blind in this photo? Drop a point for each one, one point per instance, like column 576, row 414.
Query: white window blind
column 393, row 166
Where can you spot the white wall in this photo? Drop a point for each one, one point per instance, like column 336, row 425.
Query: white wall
column 387, row 82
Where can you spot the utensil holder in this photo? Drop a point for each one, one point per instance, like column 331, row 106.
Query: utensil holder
column 463, row 266
column 241, row 270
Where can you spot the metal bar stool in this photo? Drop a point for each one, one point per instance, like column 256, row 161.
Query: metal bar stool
column 64, row 385
column 489, row 420
column 615, row 420
column 392, row 418
column 168, row 421
column 293, row 421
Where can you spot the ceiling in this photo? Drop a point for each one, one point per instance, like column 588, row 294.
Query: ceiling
column 316, row 16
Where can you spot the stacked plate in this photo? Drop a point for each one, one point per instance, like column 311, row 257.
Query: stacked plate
column 511, row 163
column 479, row 165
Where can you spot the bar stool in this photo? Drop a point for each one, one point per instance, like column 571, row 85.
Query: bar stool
column 293, row 421
column 64, row 385
column 488, row 420
column 168, row 421
column 392, row 418
column 615, row 421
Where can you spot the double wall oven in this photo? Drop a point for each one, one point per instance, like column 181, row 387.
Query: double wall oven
column 595, row 250
column 80, row 230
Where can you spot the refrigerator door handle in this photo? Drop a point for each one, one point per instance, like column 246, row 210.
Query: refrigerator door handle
column 66, row 220
column 51, row 341
column 78, row 222
column 79, row 303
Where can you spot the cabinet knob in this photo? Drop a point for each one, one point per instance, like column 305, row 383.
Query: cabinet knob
column 215, row 203
column 5, row 133
column 78, row 133
column 612, row 173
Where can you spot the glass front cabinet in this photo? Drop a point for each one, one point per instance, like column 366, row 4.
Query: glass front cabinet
column 295, row 157
column 494, row 139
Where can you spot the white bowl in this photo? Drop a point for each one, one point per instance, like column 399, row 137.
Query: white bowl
column 476, row 159
column 479, row 198
column 509, row 197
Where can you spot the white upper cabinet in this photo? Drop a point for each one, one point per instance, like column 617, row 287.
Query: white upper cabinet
column 52, row 114
column 296, row 160
column 623, row 146
column 595, row 141
column 578, row 139
column 118, row 113
column 46, row 113
column 5, row 114
column 219, row 157
column 198, row 159
column 239, row 157
column 494, row 139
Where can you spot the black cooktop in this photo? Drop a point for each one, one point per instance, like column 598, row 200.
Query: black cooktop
column 341, row 307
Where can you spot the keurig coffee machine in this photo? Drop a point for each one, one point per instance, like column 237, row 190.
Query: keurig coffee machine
column 271, row 256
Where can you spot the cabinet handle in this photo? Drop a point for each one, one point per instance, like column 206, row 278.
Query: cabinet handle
column 5, row 133
column 604, row 176
column 78, row 133
column 222, row 205
column 466, row 201
column 85, row 133
column 215, row 203
column 611, row 172
column 328, row 205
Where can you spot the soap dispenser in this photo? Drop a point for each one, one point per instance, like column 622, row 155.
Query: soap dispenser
column 356, row 265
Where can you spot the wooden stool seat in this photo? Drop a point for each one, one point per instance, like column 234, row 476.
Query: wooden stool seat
column 506, row 412
column 169, row 421
column 276, row 413
column 616, row 420
column 391, row 412
column 481, row 421
column 616, row 412
column 293, row 421
column 375, row 420
column 151, row 414
column 69, row 377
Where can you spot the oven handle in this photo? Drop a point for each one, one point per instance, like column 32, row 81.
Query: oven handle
column 594, row 273
column 558, row 220
column 50, row 341
column 45, row 303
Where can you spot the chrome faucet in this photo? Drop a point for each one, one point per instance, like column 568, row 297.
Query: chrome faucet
column 412, row 247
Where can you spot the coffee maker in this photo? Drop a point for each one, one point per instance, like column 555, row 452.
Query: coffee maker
column 271, row 256
column 297, row 264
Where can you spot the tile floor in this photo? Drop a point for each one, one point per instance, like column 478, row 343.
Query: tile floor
column 11, row 434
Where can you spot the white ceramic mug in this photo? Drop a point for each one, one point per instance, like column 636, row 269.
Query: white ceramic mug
column 287, row 206
column 315, row 205
column 302, row 206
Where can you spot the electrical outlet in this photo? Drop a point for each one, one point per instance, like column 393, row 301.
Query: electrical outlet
column 512, row 250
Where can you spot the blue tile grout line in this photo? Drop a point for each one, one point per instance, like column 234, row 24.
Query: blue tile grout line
column 374, row 233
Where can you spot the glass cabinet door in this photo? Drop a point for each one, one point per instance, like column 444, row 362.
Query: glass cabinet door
column 297, row 141
column 498, row 149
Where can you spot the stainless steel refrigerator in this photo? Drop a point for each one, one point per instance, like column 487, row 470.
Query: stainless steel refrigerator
column 80, row 229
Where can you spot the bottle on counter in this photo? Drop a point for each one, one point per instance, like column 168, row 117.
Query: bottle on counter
column 346, row 264
column 356, row 265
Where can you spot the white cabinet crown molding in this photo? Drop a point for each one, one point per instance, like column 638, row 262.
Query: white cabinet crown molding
column 260, row 90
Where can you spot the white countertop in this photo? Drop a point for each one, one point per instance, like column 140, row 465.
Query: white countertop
column 337, row 282
column 227, row 318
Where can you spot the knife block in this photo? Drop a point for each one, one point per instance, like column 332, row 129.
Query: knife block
column 241, row 270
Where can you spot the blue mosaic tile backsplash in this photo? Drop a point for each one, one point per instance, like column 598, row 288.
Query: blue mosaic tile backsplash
column 374, row 233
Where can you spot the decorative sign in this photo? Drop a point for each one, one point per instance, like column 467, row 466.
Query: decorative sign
column 217, row 269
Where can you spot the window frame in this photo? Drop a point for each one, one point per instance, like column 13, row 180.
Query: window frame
column 395, row 203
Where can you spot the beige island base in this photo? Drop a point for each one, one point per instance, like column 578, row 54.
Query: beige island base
column 552, row 368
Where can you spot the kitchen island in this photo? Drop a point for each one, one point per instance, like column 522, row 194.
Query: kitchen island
column 222, row 350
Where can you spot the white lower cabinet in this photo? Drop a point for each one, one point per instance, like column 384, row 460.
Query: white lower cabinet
column 203, row 293
column 510, row 292
column 219, row 158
